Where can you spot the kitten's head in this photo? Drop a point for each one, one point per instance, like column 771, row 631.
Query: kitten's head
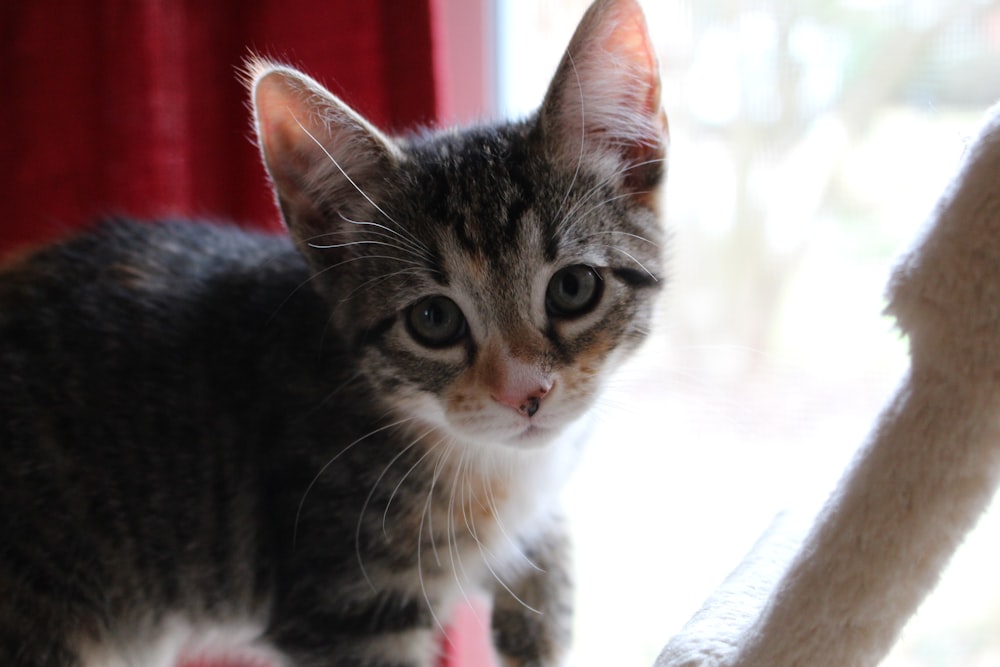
column 490, row 277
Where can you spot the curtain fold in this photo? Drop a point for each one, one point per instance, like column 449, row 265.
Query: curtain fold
column 134, row 106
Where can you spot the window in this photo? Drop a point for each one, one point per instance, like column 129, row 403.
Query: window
column 809, row 142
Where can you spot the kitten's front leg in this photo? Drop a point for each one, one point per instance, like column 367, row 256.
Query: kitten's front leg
column 533, row 629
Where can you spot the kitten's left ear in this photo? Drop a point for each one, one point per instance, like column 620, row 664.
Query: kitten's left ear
column 604, row 101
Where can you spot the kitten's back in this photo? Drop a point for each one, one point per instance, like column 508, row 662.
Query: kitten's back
column 129, row 358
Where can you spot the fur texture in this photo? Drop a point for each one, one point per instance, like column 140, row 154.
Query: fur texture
column 317, row 444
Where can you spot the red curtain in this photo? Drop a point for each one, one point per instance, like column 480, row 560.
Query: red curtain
column 134, row 107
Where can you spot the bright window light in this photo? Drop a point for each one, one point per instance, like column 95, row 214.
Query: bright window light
column 808, row 144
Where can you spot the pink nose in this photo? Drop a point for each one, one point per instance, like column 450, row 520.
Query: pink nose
column 525, row 402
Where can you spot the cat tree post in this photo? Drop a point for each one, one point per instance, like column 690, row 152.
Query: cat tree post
column 840, row 596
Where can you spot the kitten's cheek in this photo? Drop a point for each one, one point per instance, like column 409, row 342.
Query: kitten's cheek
column 461, row 404
column 590, row 366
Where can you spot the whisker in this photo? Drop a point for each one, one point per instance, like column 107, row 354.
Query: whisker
column 387, row 276
column 619, row 232
column 393, row 241
column 583, row 215
column 326, row 466
column 355, row 259
column 583, row 133
column 348, row 244
column 601, row 184
column 371, row 493
column 438, row 467
column 402, row 479
column 322, row 271
column 420, row 567
column 341, row 170
column 454, row 553
column 470, row 522
column 486, row 555
column 325, row 401
column 494, row 510
column 641, row 265
column 587, row 196
column 560, row 227
column 404, row 234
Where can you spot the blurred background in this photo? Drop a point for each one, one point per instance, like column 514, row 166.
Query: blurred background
column 810, row 139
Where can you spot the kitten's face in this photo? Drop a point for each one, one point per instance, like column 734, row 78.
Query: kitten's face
column 498, row 289
column 490, row 279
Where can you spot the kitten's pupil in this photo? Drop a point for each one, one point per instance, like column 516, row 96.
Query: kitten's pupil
column 436, row 321
column 573, row 291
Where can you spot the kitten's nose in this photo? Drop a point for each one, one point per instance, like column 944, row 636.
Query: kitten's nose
column 530, row 406
column 527, row 403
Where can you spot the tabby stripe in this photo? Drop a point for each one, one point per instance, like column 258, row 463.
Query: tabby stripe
column 374, row 334
column 354, row 621
column 386, row 613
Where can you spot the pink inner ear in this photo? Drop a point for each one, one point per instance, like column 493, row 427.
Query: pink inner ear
column 281, row 115
column 630, row 38
column 609, row 80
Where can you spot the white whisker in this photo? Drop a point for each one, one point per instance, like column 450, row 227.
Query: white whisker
column 454, row 552
column 595, row 207
column 486, row 556
column 392, row 240
column 470, row 527
column 322, row 271
column 641, row 265
column 494, row 510
column 341, row 170
column 621, row 233
column 438, row 467
column 326, row 466
column 583, row 134
column 399, row 484
column 597, row 188
column 420, row 563
column 347, row 244
column 386, row 276
column 368, row 498
column 405, row 235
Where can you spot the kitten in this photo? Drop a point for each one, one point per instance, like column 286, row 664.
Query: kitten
column 305, row 450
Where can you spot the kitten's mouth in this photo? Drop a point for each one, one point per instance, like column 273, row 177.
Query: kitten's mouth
column 533, row 436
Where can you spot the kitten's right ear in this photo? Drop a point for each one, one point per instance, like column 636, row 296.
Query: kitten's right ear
column 319, row 152
column 603, row 104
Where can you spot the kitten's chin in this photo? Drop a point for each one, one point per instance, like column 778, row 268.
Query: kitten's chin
column 534, row 436
column 525, row 436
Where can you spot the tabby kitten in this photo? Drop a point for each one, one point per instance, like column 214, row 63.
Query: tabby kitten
column 304, row 451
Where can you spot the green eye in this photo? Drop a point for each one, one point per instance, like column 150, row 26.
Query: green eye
column 573, row 291
column 435, row 321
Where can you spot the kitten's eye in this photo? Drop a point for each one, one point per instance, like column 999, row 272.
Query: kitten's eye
column 436, row 321
column 573, row 291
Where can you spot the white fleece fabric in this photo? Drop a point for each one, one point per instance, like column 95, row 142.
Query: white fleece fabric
column 840, row 596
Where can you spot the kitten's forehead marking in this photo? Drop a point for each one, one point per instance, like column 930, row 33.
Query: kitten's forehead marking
column 503, row 290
